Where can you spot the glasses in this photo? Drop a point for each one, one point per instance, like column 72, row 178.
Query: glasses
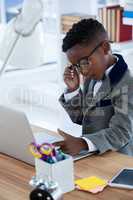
column 84, row 62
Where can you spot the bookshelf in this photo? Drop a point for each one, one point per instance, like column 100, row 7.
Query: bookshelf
column 127, row 6
column 112, row 19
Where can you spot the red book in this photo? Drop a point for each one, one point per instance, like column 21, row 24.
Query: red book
column 124, row 32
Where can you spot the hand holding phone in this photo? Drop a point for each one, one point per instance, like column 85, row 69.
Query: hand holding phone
column 71, row 78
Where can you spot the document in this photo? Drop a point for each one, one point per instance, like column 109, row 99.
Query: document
column 67, row 126
column 46, row 137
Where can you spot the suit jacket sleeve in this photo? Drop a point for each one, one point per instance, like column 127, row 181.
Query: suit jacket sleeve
column 120, row 131
column 73, row 107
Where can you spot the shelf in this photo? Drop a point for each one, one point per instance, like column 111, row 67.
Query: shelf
column 122, row 46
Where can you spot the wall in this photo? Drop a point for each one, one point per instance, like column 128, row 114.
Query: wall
column 12, row 2
column 81, row 6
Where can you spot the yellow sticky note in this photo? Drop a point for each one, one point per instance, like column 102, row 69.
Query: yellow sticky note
column 90, row 183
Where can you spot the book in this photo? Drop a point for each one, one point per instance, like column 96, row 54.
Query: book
column 127, row 21
column 108, row 19
column 124, row 32
column 105, row 18
column 112, row 19
column 67, row 20
column 128, row 14
column 100, row 15
column 113, row 25
column 109, row 22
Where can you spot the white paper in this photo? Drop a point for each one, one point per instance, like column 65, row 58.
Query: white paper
column 43, row 137
column 69, row 127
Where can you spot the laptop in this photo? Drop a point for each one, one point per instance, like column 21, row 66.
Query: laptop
column 16, row 135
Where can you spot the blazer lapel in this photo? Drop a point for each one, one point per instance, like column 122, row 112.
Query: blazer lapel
column 108, row 83
column 88, row 93
column 103, row 92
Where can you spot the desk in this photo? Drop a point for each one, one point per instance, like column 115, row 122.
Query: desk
column 15, row 175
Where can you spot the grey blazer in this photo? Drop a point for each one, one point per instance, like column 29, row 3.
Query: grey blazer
column 107, row 118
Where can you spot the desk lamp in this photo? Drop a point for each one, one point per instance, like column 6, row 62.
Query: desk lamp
column 23, row 42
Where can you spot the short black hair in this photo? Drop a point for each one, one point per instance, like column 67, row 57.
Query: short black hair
column 84, row 32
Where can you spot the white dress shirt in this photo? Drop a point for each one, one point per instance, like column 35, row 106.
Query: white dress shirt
column 68, row 96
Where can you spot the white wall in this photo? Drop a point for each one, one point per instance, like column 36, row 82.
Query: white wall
column 81, row 6
column 2, row 11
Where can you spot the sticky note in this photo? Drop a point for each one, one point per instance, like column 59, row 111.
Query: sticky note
column 91, row 184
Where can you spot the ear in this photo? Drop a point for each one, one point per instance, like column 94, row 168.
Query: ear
column 106, row 47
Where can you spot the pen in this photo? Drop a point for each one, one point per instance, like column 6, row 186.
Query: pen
column 72, row 71
column 49, row 150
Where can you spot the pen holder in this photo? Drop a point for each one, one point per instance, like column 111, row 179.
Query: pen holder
column 61, row 172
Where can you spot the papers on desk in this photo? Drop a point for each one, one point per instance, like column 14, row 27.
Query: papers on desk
column 66, row 125
column 69, row 127
column 75, row 130
column 83, row 154
column 44, row 137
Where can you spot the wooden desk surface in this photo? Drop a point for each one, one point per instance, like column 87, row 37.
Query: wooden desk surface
column 15, row 175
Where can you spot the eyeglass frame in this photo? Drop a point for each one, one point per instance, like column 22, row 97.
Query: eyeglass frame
column 78, row 65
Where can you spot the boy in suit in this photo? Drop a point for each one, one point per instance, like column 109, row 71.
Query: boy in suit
column 104, row 106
